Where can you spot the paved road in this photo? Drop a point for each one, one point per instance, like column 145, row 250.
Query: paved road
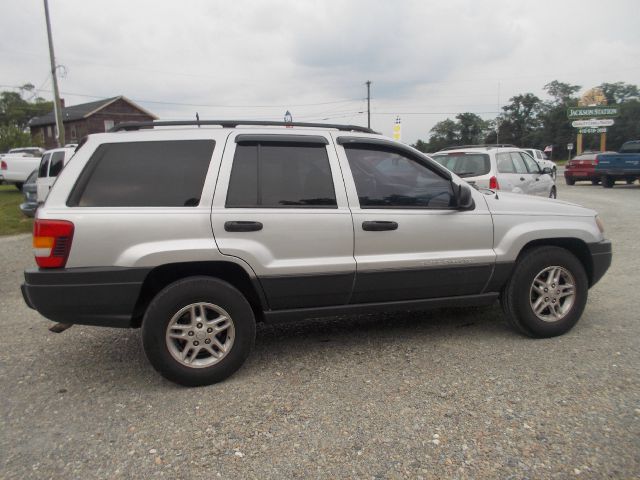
column 442, row 394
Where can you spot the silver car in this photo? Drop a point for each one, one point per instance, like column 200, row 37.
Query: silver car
column 499, row 168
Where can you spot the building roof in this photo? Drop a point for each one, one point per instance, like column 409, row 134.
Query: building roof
column 83, row 110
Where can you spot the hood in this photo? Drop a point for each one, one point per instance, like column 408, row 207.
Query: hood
column 527, row 205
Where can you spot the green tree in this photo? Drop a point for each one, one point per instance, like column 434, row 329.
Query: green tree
column 15, row 113
column 520, row 123
column 562, row 93
column 619, row 92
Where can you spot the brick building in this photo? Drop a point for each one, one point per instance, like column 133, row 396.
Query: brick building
column 86, row 118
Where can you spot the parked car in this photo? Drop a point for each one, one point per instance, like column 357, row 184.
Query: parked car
column 18, row 164
column 583, row 168
column 52, row 163
column 507, row 169
column 542, row 159
column 195, row 234
column 29, row 190
column 623, row 165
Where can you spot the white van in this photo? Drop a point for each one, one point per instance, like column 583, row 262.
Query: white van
column 51, row 165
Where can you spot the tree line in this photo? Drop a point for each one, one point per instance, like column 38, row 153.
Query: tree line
column 528, row 121
column 15, row 113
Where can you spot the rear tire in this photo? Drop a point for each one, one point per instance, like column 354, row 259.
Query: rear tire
column 198, row 331
column 538, row 313
column 569, row 181
column 607, row 182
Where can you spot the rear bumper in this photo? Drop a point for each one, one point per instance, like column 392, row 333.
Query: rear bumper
column 580, row 174
column 601, row 255
column 88, row 296
column 619, row 172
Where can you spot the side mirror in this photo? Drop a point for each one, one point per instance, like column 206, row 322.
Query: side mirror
column 464, row 197
column 547, row 170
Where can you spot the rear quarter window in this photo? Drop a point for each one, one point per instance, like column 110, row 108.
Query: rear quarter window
column 144, row 174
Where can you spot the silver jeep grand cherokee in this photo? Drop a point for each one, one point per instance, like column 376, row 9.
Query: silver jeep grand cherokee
column 195, row 233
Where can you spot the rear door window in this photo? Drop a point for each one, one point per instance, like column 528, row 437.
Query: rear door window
column 465, row 164
column 57, row 162
column 144, row 174
column 505, row 164
column 279, row 175
column 43, row 170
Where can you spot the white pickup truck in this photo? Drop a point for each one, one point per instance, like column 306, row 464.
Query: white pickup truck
column 18, row 163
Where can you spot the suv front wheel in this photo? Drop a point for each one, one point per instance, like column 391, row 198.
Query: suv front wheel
column 547, row 292
column 198, row 331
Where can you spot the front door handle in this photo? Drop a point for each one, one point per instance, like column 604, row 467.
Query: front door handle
column 379, row 226
column 242, row 226
column 522, row 179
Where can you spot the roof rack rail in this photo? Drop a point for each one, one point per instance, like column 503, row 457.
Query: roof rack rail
column 483, row 145
column 234, row 123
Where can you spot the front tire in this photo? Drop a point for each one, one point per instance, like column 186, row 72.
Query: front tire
column 198, row 331
column 607, row 182
column 546, row 293
column 553, row 193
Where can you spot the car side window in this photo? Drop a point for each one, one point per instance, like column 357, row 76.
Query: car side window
column 531, row 164
column 44, row 166
column 518, row 163
column 57, row 162
column 505, row 164
column 144, row 174
column 281, row 175
column 385, row 177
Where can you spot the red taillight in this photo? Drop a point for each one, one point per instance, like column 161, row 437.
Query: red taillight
column 3, row 165
column 595, row 161
column 52, row 242
column 493, row 183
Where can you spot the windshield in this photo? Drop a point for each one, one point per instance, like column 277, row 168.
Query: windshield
column 465, row 164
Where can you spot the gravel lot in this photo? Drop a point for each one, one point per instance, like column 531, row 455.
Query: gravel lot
column 441, row 394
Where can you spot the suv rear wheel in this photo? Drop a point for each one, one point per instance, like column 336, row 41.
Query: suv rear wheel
column 198, row 331
column 547, row 292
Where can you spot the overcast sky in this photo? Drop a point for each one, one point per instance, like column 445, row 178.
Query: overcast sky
column 427, row 60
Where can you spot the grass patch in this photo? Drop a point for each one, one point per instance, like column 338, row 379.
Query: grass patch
column 12, row 221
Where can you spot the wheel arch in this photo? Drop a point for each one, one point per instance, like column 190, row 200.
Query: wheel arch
column 575, row 245
column 163, row 275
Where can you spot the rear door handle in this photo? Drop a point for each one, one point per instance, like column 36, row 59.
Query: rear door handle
column 379, row 226
column 242, row 226
column 522, row 179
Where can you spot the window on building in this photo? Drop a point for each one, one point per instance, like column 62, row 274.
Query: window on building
column 108, row 125
column 49, row 132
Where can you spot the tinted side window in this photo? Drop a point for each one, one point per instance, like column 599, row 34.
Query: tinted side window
column 272, row 175
column 44, row 166
column 57, row 162
column 518, row 163
column 465, row 164
column 386, row 178
column 144, row 174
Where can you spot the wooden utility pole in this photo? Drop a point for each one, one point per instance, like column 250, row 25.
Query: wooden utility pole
column 368, row 103
column 57, row 108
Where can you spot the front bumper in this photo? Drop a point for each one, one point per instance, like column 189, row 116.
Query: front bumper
column 600, row 260
column 87, row 296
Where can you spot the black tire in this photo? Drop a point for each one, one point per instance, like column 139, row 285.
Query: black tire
column 183, row 293
column 553, row 193
column 516, row 295
column 607, row 182
column 19, row 185
column 630, row 181
column 569, row 181
column 595, row 182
